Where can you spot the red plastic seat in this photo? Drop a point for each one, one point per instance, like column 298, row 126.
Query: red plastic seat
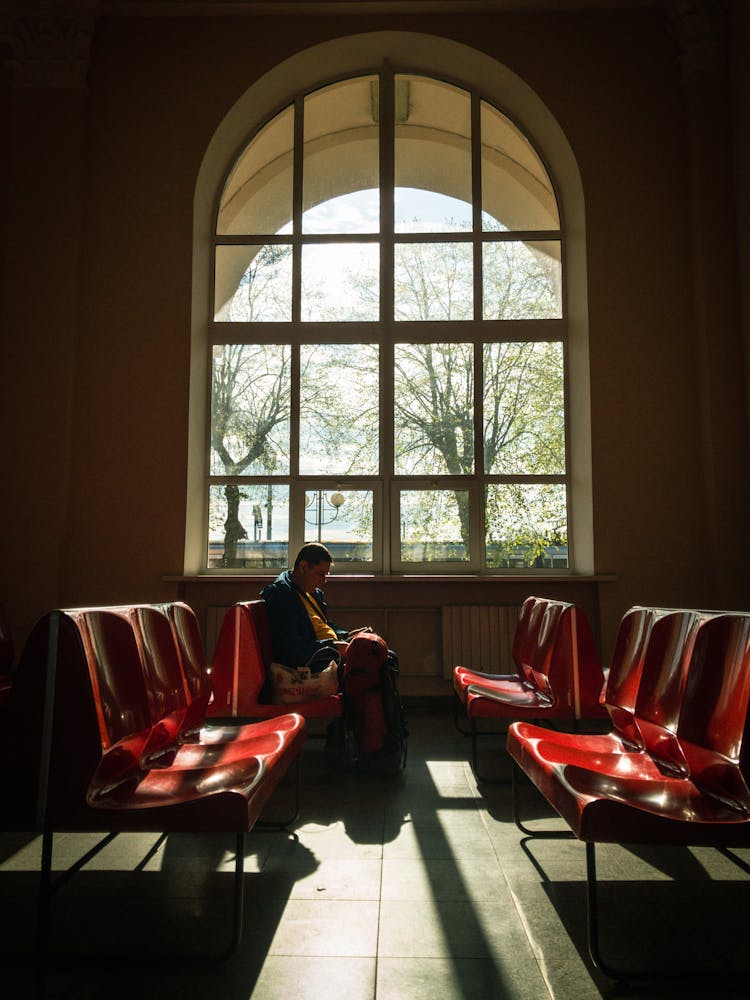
column 85, row 726
column 651, row 658
column 682, row 774
column 560, row 673
column 527, row 627
column 240, row 667
column 179, row 690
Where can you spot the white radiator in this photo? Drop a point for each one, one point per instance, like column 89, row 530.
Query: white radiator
column 480, row 637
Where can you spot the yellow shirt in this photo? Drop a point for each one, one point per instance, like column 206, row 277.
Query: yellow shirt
column 322, row 629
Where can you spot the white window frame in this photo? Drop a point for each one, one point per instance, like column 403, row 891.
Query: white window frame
column 497, row 86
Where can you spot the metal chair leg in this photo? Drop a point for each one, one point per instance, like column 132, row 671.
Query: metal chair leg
column 239, row 894
column 282, row 824
column 547, row 834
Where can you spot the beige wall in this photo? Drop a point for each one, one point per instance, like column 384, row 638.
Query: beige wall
column 97, row 294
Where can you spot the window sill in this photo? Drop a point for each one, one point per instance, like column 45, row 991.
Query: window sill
column 364, row 579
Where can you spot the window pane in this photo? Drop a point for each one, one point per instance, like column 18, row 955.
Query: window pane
column 340, row 282
column 427, row 212
column 433, row 281
column 258, row 195
column 341, row 154
column 342, row 520
column 253, row 284
column 516, row 190
column 527, row 526
column 248, row 527
column 339, row 409
column 522, row 280
column 434, row 526
column 250, row 409
column 432, row 152
column 358, row 212
column 524, row 409
column 434, row 409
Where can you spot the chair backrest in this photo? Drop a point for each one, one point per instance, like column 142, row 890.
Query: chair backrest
column 558, row 656
column 166, row 684
column 122, row 705
column 240, row 670
column 50, row 738
column 262, row 629
column 192, row 656
column 244, row 646
column 662, row 685
column 539, row 634
column 625, row 668
column 714, row 724
column 525, row 636
column 575, row 674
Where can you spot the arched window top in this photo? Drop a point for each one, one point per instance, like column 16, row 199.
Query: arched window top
column 388, row 156
column 434, row 126
column 437, row 172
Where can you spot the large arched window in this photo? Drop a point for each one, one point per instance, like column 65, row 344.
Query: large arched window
column 388, row 338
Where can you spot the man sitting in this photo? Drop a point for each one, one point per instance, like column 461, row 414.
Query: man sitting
column 297, row 611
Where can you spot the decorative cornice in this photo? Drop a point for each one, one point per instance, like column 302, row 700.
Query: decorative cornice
column 47, row 52
column 263, row 8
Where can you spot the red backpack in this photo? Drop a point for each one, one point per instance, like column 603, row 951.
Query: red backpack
column 373, row 706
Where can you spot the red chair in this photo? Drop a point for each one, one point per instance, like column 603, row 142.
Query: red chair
column 239, row 671
column 643, row 698
column 82, row 733
column 559, row 673
column 683, row 775
column 527, row 628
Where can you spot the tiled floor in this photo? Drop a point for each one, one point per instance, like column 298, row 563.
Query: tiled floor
column 404, row 888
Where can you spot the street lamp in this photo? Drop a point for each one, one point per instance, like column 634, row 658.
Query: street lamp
column 323, row 508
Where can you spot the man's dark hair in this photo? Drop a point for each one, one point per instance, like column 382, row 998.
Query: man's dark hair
column 313, row 553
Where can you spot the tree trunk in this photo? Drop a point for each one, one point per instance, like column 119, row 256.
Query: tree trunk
column 233, row 530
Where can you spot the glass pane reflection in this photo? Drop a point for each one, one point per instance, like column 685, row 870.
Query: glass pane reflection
column 524, row 409
column 516, row 189
column 434, row 409
column 526, row 526
column 341, row 153
column 432, row 149
column 434, row 526
column 250, row 409
column 339, row 409
column 253, row 284
column 433, row 281
column 343, row 521
column 257, row 197
column 522, row 280
column 248, row 526
column 340, row 282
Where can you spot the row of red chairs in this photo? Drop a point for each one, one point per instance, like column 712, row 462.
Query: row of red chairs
column 674, row 767
column 558, row 673
column 105, row 730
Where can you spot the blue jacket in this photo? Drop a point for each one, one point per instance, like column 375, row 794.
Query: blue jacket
column 292, row 634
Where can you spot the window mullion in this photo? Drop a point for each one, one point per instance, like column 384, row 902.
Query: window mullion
column 387, row 172
column 299, row 150
column 476, row 197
